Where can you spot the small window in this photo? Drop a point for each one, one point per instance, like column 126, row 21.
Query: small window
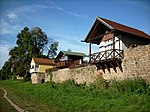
column 36, row 66
column 32, row 66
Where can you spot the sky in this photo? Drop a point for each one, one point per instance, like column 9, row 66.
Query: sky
column 67, row 21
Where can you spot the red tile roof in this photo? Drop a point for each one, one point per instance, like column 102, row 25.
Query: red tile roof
column 126, row 29
column 44, row 61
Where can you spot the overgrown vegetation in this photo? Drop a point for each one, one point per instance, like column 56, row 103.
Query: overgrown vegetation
column 103, row 96
column 29, row 44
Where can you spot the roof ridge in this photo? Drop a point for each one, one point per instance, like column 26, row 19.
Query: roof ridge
column 72, row 52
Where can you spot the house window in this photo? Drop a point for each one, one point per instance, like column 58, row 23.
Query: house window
column 64, row 57
column 36, row 66
column 32, row 66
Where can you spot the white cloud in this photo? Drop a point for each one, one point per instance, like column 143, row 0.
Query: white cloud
column 75, row 14
column 12, row 16
column 48, row 5
column 8, row 29
column 54, row 6
column 4, row 50
column 12, row 25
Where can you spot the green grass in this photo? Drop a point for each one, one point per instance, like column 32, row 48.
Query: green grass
column 124, row 96
column 4, row 105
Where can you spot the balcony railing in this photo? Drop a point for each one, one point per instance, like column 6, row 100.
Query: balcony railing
column 66, row 64
column 62, row 64
column 106, row 55
column 32, row 70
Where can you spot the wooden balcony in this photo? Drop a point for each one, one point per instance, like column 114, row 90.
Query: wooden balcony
column 106, row 55
column 66, row 64
column 62, row 64
column 107, row 59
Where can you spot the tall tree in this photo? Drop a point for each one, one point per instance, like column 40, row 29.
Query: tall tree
column 30, row 43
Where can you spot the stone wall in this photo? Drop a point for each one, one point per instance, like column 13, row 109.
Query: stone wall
column 136, row 63
column 80, row 75
column 37, row 78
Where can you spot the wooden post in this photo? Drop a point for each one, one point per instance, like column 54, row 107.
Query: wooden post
column 119, row 44
column 119, row 48
column 113, row 39
column 90, row 52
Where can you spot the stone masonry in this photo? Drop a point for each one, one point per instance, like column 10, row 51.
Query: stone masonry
column 80, row 75
column 136, row 63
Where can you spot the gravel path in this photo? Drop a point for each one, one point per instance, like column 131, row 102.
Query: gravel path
column 11, row 103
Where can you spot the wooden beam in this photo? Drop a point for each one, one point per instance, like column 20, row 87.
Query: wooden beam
column 113, row 39
column 90, row 52
column 112, row 65
column 97, row 37
column 94, row 28
column 119, row 65
column 119, row 44
column 103, row 22
column 102, row 68
column 107, row 67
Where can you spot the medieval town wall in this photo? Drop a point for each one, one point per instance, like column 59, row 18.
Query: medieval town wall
column 136, row 63
column 80, row 75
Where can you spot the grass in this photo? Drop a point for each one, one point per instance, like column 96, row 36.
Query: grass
column 4, row 105
column 103, row 96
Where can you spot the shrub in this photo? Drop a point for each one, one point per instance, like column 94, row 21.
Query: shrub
column 27, row 77
column 100, row 84
column 137, row 85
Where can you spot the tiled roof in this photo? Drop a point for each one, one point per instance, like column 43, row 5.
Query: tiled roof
column 101, row 25
column 124, row 28
column 44, row 61
column 74, row 53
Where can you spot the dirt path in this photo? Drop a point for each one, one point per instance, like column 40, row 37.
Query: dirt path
column 11, row 103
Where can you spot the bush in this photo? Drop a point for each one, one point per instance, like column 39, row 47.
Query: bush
column 27, row 77
column 100, row 84
column 137, row 85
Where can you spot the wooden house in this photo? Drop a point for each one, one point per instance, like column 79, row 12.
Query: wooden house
column 112, row 38
column 68, row 59
column 39, row 67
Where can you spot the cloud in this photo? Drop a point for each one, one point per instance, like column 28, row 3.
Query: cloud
column 54, row 6
column 12, row 16
column 75, row 14
column 4, row 50
column 10, row 21
column 8, row 29
column 44, row 5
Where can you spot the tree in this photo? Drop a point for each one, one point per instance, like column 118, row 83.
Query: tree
column 52, row 49
column 30, row 43
column 6, row 69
